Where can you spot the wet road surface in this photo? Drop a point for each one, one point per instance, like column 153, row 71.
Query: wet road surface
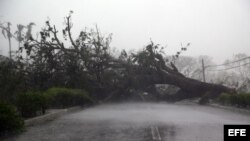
column 137, row 122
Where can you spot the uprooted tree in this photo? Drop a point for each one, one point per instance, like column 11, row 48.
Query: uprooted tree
column 88, row 57
column 151, row 61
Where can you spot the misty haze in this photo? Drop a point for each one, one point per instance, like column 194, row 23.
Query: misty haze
column 124, row 70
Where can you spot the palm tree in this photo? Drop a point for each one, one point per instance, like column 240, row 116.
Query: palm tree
column 6, row 29
column 19, row 34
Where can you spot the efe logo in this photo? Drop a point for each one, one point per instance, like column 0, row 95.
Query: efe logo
column 237, row 132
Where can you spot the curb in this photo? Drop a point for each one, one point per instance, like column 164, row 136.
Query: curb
column 234, row 109
column 230, row 108
column 50, row 116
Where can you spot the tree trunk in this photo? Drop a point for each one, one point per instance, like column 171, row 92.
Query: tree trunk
column 192, row 87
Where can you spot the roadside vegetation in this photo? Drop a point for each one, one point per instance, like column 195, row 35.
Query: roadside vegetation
column 64, row 97
column 29, row 104
column 35, row 103
column 10, row 121
column 241, row 100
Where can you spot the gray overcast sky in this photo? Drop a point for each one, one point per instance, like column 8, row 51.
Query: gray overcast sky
column 218, row 28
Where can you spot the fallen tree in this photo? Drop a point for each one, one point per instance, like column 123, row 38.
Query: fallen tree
column 89, row 57
column 154, row 69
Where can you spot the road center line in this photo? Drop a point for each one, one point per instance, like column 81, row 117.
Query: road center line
column 155, row 133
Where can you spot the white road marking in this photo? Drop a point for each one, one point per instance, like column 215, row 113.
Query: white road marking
column 155, row 133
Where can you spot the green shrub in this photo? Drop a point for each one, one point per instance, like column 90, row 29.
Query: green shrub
column 30, row 103
column 224, row 99
column 239, row 100
column 11, row 80
column 10, row 121
column 64, row 97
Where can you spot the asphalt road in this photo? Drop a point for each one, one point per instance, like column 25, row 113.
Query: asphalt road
column 137, row 122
